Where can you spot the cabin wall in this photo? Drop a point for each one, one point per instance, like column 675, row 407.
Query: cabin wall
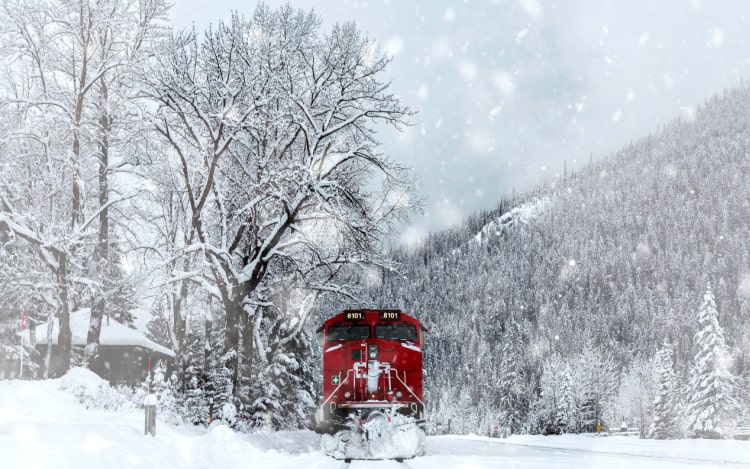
column 117, row 364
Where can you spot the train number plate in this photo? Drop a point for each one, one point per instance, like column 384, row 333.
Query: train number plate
column 354, row 315
column 390, row 315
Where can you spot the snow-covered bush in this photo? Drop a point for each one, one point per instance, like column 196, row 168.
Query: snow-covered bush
column 96, row 393
column 229, row 414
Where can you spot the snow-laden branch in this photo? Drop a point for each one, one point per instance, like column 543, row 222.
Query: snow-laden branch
column 49, row 253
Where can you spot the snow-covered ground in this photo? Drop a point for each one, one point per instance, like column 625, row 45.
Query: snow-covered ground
column 42, row 425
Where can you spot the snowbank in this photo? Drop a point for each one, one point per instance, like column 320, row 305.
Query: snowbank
column 82, row 378
column 43, row 424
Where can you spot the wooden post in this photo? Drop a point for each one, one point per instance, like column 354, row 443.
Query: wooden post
column 23, row 317
column 150, row 405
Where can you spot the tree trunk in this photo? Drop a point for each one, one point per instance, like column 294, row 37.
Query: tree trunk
column 95, row 327
column 77, row 218
column 179, row 325
column 233, row 306
column 248, row 343
column 48, row 352
column 641, row 425
column 101, row 253
column 207, row 348
column 77, row 209
column 65, row 336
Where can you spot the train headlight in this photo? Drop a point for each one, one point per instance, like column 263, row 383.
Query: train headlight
column 399, row 394
column 372, row 352
column 347, row 395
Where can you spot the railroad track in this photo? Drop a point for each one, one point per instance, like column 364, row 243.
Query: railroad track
column 403, row 464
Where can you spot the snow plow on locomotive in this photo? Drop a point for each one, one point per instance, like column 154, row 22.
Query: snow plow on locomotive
column 372, row 405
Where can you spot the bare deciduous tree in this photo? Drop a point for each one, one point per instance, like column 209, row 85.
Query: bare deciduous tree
column 66, row 61
column 270, row 126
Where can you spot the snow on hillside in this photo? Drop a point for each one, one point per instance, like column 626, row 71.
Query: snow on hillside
column 43, row 425
column 521, row 215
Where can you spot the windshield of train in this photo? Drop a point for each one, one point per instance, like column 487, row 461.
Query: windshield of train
column 360, row 331
column 396, row 332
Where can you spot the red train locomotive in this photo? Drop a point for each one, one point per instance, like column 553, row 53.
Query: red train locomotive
column 372, row 385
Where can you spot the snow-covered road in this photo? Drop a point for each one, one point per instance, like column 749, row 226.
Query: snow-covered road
column 43, row 426
column 579, row 452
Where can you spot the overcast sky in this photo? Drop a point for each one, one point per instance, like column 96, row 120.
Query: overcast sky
column 509, row 91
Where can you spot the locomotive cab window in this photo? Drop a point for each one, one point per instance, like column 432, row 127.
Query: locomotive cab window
column 355, row 332
column 396, row 332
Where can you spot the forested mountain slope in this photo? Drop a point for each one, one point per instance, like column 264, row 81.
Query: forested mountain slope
column 583, row 293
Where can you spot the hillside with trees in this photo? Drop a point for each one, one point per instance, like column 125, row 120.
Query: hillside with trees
column 550, row 310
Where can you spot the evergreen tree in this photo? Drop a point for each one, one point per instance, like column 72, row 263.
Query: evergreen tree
column 567, row 409
column 543, row 417
column 195, row 406
column 219, row 391
column 711, row 404
column 164, row 389
column 510, row 388
column 665, row 424
column 597, row 373
column 281, row 396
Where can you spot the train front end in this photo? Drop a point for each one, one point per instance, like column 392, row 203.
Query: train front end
column 373, row 404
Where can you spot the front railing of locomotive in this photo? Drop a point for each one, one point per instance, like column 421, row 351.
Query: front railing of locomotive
column 377, row 382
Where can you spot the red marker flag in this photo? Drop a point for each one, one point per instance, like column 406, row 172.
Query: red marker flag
column 23, row 318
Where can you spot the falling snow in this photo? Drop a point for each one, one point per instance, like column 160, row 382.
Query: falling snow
column 460, row 59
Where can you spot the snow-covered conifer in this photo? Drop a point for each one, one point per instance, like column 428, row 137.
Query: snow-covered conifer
column 665, row 423
column 567, row 407
column 510, row 386
column 195, row 405
column 711, row 403
column 543, row 416
column 597, row 375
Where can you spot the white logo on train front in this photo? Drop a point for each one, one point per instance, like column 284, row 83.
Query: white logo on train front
column 334, row 380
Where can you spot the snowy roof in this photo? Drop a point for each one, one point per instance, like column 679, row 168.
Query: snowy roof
column 112, row 333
